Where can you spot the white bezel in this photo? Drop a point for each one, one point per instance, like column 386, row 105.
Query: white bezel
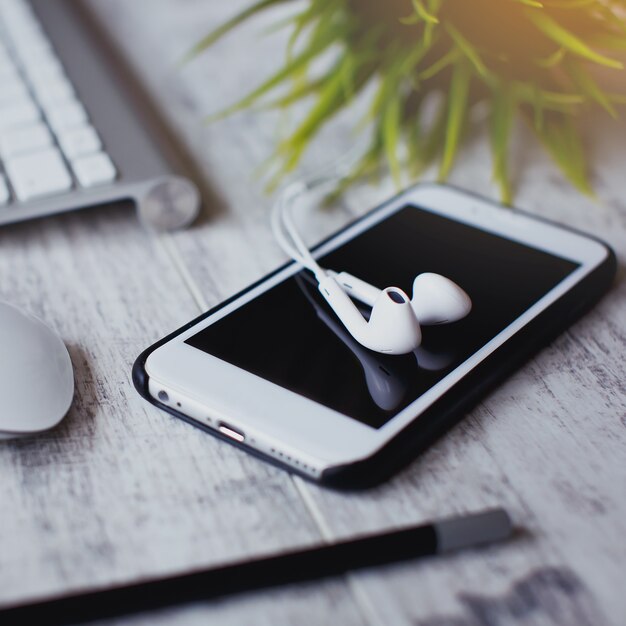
column 308, row 435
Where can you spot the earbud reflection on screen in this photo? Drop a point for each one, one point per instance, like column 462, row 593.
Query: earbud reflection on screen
column 434, row 360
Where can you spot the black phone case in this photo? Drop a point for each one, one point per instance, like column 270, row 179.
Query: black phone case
column 451, row 407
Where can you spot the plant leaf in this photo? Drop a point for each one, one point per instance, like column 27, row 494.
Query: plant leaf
column 317, row 45
column 589, row 87
column 502, row 113
column 218, row 33
column 332, row 97
column 391, row 135
column 447, row 59
column 568, row 40
column 558, row 134
column 431, row 142
column 421, row 11
column 457, row 108
column 468, row 50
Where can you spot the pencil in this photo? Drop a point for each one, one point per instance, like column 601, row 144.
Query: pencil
column 311, row 563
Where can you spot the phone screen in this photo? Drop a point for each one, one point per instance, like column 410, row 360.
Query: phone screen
column 290, row 336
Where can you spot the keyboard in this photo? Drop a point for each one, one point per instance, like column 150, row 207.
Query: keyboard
column 69, row 138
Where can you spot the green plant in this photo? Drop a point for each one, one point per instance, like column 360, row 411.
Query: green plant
column 523, row 57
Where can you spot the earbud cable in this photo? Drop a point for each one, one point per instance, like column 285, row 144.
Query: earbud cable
column 283, row 224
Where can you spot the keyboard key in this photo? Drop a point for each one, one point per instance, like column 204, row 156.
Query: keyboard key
column 46, row 69
column 4, row 191
column 12, row 7
column 26, row 139
column 32, row 56
column 66, row 116
column 18, row 21
column 38, row 174
column 54, row 91
column 11, row 90
column 79, row 142
column 5, row 59
column 95, row 169
column 32, row 44
column 18, row 113
column 8, row 72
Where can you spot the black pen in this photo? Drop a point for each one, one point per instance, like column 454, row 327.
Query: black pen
column 311, row 563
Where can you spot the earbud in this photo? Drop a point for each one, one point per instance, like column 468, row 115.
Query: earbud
column 436, row 299
column 392, row 327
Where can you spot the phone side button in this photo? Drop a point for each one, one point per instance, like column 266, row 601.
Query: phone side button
column 231, row 432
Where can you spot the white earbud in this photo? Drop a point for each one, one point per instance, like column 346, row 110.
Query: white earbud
column 436, row 299
column 392, row 327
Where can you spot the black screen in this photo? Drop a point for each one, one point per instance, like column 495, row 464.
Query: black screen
column 290, row 336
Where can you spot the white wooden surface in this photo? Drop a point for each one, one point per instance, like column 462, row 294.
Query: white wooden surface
column 121, row 490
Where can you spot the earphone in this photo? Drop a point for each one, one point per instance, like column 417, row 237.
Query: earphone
column 436, row 299
column 394, row 324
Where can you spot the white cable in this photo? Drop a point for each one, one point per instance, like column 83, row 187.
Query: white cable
column 286, row 233
column 292, row 230
column 283, row 237
column 282, row 221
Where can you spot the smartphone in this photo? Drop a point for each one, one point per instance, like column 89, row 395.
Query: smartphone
column 273, row 371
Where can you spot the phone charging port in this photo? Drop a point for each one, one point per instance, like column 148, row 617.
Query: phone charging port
column 231, row 432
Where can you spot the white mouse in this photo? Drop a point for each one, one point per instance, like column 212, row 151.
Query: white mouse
column 36, row 376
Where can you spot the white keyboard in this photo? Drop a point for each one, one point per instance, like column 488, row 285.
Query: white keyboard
column 48, row 145
column 75, row 131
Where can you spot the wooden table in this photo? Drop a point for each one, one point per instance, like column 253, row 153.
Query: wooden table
column 121, row 490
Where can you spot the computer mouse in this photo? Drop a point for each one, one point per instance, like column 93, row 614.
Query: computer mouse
column 36, row 376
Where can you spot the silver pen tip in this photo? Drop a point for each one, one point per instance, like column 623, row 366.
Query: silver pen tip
column 473, row 530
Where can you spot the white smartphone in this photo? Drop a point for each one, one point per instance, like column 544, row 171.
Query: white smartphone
column 274, row 371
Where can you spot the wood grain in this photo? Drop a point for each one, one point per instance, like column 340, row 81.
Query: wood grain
column 120, row 490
